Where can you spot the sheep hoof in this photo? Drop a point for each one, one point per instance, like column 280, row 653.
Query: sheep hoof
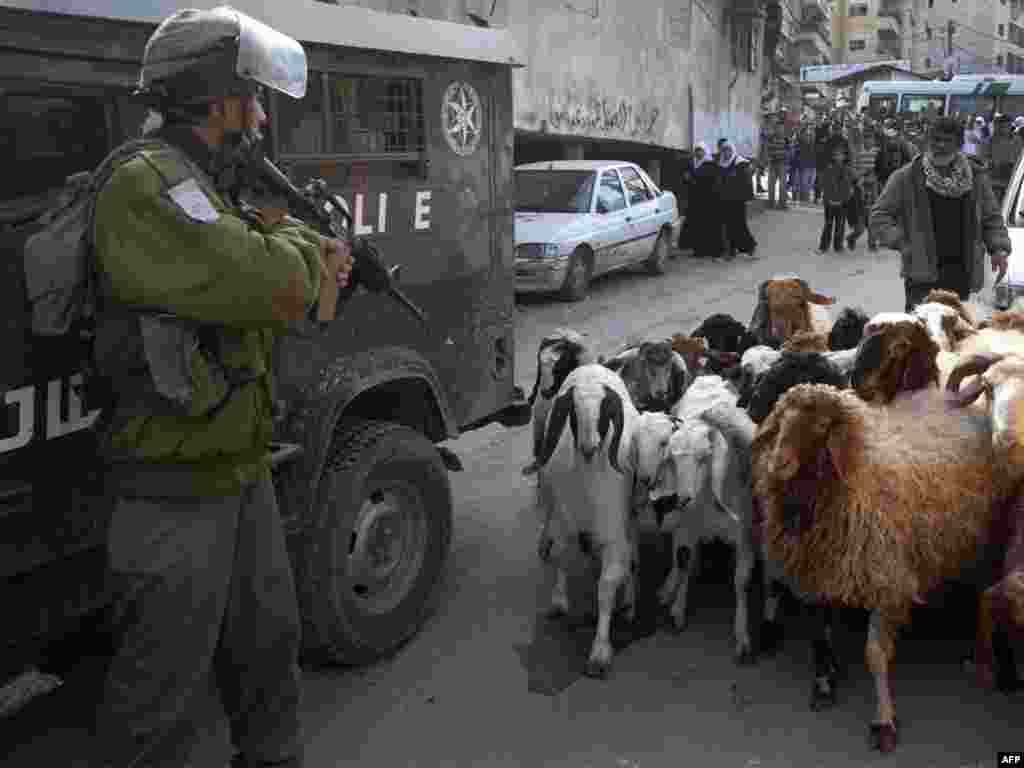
column 823, row 693
column 597, row 669
column 746, row 656
column 771, row 637
column 884, row 736
column 544, row 549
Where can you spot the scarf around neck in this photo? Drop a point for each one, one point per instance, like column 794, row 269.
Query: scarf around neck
column 957, row 184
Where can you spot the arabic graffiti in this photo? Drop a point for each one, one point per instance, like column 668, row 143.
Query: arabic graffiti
column 604, row 115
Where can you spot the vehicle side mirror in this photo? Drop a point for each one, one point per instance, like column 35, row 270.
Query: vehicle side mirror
column 602, row 208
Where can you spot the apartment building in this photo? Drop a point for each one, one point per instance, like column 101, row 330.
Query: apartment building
column 637, row 79
column 798, row 33
column 936, row 36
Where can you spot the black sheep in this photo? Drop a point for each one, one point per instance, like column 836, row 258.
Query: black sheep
column 790, row 369
column 724, row 333
column 848, row 329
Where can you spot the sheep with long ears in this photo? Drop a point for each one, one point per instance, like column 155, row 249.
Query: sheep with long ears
column 712, row 500
column 872, row 506
column 588, row 474
column 785, row 305
column 655, row 375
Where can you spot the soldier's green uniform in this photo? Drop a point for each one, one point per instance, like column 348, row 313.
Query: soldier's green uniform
column 196, row 545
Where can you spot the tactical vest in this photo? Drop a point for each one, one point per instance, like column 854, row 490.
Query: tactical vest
column 149, row 360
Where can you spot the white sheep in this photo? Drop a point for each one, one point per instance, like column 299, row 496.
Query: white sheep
column 713, row 500
column 588, row 474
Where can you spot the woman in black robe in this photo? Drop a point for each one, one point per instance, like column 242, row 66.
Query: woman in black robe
column 702, row 229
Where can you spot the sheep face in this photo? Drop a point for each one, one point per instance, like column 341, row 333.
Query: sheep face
column 946, row 327
column 559, row 354
column 688, row 474
column 650, row 444
column 1001, row 380
column 655, row 360
column 848, row 329
column 799, row 450
column 896, row 356
column 788, row 312
column 952, row 300
column 594, row 412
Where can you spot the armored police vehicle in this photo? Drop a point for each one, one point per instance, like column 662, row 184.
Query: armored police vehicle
column 410, row 120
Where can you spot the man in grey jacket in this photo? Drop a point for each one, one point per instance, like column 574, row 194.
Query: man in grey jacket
column 940, row 213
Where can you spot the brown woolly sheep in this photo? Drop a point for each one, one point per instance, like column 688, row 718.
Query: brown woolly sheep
column 874, row 506
column 896, row 355
column 1004, row 321
column 806, row 341
column 950, row 299
column 786, row 305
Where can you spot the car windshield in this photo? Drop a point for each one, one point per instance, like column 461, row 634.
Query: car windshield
column 554, row 191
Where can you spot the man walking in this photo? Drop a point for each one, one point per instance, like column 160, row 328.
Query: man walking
column 195, row 287
column 776, row 152
column 940, row 213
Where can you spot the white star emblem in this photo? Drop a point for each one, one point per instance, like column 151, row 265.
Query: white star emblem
column 462, row 118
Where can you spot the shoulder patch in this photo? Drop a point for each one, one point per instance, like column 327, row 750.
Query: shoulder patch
column 193, row 201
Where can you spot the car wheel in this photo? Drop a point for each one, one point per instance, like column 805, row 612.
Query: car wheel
column 656, row 261
column 374, row 554
column 577, row 279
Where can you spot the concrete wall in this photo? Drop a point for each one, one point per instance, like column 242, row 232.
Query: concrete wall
column 627, row 74
column 621, row 70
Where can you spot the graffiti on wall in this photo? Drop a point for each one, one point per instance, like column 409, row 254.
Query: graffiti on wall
column 602, row 115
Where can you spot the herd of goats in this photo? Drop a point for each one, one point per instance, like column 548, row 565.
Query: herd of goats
column 856, row 459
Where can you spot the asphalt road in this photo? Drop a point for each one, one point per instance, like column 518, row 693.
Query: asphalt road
column 457, row 694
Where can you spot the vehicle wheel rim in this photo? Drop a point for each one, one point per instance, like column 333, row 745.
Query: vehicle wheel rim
column 386, row 548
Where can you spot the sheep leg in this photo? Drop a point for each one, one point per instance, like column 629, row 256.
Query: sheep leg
column 545, row 504
column 614, row 570
column 823, row 690
column 880, row 649
column 560, row 594
column 771, row 627
column 687, row 552
column 984, row 653
column 744, row 570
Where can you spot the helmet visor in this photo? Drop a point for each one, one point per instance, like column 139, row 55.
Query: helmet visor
column 270, row 58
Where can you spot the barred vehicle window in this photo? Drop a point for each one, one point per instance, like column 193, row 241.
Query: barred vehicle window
column 635, row 187
column 46, row 135
column 373, row 115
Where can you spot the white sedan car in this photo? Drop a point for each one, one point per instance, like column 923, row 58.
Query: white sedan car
column 576, row 219
column 1009, row 291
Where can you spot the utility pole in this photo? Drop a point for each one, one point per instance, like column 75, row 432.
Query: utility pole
column 950, row 29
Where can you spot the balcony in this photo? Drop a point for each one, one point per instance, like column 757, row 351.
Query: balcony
column 890, row 27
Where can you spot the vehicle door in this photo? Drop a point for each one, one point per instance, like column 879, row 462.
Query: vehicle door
column 643, row 214
column 611, row 223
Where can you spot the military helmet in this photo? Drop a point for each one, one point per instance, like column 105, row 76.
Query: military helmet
column 196, row 56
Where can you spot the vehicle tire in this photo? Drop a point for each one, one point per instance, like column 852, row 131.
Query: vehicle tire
column 577, row 279
column 655, row 263
column 374, row 552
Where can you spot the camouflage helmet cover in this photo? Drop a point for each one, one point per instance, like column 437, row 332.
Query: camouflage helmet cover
column 195, row 56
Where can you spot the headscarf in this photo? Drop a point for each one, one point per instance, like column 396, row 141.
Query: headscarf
column 735, row 156
column 707, row 155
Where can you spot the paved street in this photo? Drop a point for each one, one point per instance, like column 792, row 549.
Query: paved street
column 457, row 695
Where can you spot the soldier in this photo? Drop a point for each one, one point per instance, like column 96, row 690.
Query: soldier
column 193, row 290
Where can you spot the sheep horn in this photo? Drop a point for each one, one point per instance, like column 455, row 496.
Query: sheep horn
column 556, row 423
column 974, row 365
column 611, row 412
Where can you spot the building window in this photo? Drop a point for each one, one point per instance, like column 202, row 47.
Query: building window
column 1016, row 35
column 931, row 3
column 858, row 45
column 744, row 50
column 927, row 62
column 858, row 10
column 1002, row 30
column 927, row 32
column 999, row 60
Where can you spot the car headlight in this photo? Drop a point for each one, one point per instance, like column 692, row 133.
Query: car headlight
column 537, row 250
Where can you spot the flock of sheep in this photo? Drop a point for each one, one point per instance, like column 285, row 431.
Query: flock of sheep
column 846, row 456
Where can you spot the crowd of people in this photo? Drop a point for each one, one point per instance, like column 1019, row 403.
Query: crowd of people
column 841, row 162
